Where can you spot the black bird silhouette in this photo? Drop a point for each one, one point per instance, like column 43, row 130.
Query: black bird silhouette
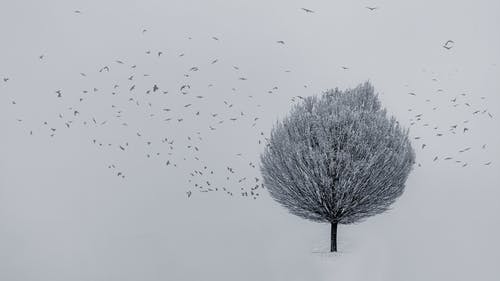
column 307, row 10
column 372, row 8
column 449, row 44
column 280, row 42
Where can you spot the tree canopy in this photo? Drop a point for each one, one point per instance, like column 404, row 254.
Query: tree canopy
column 337, row 157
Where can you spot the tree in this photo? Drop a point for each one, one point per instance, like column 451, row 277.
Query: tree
column 337, row 158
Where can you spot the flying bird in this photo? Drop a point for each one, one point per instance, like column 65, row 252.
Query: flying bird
column 307, row 10
column 449, row 44
column 104, row 68
column 372, row 8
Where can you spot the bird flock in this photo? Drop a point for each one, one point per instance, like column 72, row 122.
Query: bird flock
column 470, row 108
column 131, row 92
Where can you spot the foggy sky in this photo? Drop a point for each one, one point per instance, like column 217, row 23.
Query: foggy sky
column 65, row 216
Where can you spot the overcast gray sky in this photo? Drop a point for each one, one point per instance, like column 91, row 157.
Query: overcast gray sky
column 64, row 215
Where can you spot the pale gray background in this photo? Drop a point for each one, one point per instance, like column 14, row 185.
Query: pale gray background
column 65, row 216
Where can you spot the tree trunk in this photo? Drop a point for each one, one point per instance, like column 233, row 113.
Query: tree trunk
column 333, row 241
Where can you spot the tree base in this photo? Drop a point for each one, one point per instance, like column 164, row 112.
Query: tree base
column 333, row 237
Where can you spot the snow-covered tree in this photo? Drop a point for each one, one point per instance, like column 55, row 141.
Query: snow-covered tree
column 337, row 158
